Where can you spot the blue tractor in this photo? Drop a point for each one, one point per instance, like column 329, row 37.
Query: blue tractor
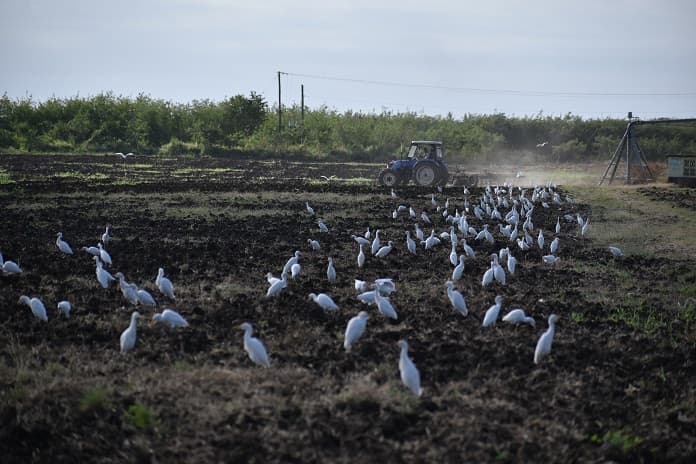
column 424, row 166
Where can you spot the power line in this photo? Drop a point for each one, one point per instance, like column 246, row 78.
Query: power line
column 530, row 93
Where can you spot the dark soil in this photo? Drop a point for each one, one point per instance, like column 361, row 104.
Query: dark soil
column 609, row 391
column 681, row 197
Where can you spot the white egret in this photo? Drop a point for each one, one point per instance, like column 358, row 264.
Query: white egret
column 360, row 285
column 419, row 232
column 467, row 249
column 63, row 245
column 550, row 259
column 129, row 291
column 324, row 301
column 488, row 276
column 295, row 270
column 361, row 257
column 453, row 258
column 409, row 373
column 367, row 297
column 384, row 306
column 385, row 286
column 36, row 305
column 123, row 157
column 517, row 316
column 322, row 226
column 129, row 335
column 65, row 307
column 511, row 263
column 360, row 240
column 171, row 318
column 331, row 271
column 410, row 243
column 456, row 299
column 540, row 240
column 164, row 285
column 458, row 270
column 411, row 212
column 367, row 233
column 145, row 299
column 104, row 255
column 103, row 276
column 310, row 210
column 105, row 236
column 425, row 218
column 616, row 251
column 543, row 346
column 9, row 267
column 277, row 286
column 92, row 250
column 354, row 330
column 585, row 227
column 558, row 225
column 554, row 246
column 492, row 313
column 498, row 271
column 385, row 250
column 431, row 241
column 294, row 259
column 314, row 244
column 254, row 347
column 376, row 243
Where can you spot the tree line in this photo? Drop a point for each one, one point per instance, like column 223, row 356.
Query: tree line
column 249, row 125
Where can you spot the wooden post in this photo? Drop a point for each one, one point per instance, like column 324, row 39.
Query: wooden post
column 280, row 118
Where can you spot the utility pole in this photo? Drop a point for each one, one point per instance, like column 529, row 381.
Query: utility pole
column 280, row 118
column 302, row 108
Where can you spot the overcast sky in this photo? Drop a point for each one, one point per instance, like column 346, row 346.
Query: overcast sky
column 594, row 58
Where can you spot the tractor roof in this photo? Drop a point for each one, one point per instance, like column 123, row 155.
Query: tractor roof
column 426, row 142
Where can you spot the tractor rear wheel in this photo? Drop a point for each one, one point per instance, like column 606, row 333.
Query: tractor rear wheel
column 388, row 178
column 425, row 174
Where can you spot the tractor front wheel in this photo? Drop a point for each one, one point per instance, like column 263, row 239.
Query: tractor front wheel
column 388, row 178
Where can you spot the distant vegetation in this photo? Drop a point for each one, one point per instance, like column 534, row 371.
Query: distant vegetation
column 248, row 125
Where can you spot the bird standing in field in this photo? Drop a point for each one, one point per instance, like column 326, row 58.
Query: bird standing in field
column 492, row 313
column 409, row 373
column 254, row 347
column 104, row 255
column 105, row 236
column 171, row 318
column 615, row 251
column 62, row 245
column 456, row 299
column 354, row 330
column 459, row 270
column 129, row 335
column 517, row 316
column 410, row 243
column 164, row 285
column 543, row 347
column 331, row 271
column 361, row 257
column 36, row 305
column 385, row 250
column 324, row 301
column 9, row 267
column 65, row 307
column 103, row 276
column 310, row 210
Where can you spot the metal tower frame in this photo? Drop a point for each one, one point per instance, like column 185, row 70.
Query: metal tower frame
column 629, row 146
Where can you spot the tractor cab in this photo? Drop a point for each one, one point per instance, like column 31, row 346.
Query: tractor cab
column 425, row 149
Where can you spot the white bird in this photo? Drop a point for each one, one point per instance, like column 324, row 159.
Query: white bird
column 9, row 267
column 126, row 155
column 385, row 250
column 354, row 330
column 517, row 316
column 164, row 285
column 488, row 277
column 105, row 236
column 360, row 285
column 295, row 270
column 410, row 243
column 314, row 244
column 543, row 346
column 145, row 299
column 419, row 232
column 558, row 225
column 409, row 373
column 104, row 255
column 103, row 276
column 616, row 251
column 384, row 306
column 367, row 233
column 277, row 286
column 511, row 263
column 322, row 226
column 331, row 271
column 453, row 258
column 498, row 271
column 92, row 250
column 456, row 298
column 554, row 246
column 367, row 297
column 585, row 227
column 293, row 260
column 425, row 218
column 492, row 313
column 385, row 286
column 63, row 245
column 550, row 259
column 467, row 249
column 361, row 257
column 254, row 347
column 36, row 305
column 431, row 241
column 65, row 307
column 170, row 317
column 324, row 301
column 310, row 210
column 540, row 240
column 360, row 240
column 458, row 270
column 129, row 335
column 129, row 291
column 376, row 243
